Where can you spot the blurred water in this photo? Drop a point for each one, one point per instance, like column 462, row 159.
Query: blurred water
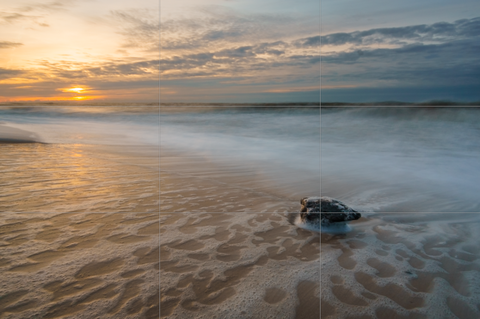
column 101, row 125
column 281, row 144
column 402, row 159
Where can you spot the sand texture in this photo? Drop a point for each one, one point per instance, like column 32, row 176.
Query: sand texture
column 194, row 184
column 245, row 265
column 403, row 266
column 78, row 178
column 79, row 265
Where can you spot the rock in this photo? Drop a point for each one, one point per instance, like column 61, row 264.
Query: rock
column 326, row 210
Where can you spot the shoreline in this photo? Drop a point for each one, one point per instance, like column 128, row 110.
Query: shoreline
column 195, row 183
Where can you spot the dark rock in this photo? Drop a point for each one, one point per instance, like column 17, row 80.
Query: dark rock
column 326, row 210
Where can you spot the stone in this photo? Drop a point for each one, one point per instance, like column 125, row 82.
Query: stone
column 326, row 210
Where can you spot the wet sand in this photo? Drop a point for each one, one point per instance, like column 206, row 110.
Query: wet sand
column 244, row 265
column 79, row 265
column 78, row 178
column 192, row 183
column 403, row 266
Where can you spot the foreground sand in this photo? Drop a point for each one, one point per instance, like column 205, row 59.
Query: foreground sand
column 243, row 265
column 78, row 178
column 79, row 265
column 403, row 266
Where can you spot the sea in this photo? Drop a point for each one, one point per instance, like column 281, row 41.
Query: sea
column 402, row 159
column 374, row 159
column 93, row 125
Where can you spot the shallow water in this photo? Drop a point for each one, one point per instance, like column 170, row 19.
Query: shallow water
column 94, row 159
column 402, row 159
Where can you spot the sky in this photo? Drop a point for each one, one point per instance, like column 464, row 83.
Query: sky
column 239, row 50
column 411, row 51
column 69, row 50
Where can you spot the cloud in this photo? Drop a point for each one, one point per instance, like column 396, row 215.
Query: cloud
column 48, row 6
column 238, row 50
column 213, row 26
column 11, row 17
column 438, row 32
column 308, row 42
column 34, row 12
column 8, row 44
column 139, row 27
column 8, row 73
column 83, row 72
column 238, row 60
column 428, row 55
column 66, row 70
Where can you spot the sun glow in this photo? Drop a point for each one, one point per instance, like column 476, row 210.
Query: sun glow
column 74, row 90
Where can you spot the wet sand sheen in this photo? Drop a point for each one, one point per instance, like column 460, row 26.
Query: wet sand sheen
column 73, row 265
column 236, row 265
column 78, row 178
column 403, row 266
column 194, row 183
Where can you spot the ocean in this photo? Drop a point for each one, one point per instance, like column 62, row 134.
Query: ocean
column 402, row 159
column 375, row 159
column 93, row 125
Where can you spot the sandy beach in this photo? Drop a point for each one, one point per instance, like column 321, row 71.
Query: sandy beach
column 403, row 266
column 79, row 265
column 244, row 265
column 190, row 183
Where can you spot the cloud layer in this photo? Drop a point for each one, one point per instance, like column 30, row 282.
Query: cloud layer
column 275, row 52
column 439, row 54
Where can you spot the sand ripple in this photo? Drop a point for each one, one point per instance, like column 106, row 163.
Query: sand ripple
column 236, row 265
column 403, row 266
column 79, row 265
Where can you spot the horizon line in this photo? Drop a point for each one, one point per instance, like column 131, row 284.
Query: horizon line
column 166, row 104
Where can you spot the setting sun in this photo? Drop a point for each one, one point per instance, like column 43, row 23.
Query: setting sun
column 74, row 90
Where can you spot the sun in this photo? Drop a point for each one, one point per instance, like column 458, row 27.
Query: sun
column 74, row 90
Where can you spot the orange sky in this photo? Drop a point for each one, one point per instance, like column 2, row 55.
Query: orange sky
column 108, row 49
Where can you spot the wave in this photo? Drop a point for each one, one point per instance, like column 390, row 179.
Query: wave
column 112, row 125
column 15, row 135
